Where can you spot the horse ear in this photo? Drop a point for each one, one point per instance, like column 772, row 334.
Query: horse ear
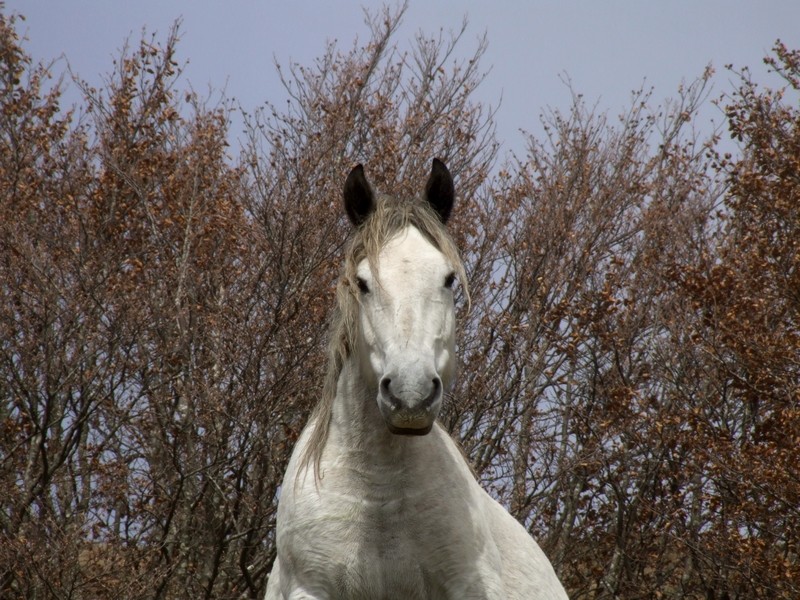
column 439, row 190
column 359, row 201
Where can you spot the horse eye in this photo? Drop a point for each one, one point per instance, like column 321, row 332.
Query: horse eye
column 362, row 285
column 449, row 280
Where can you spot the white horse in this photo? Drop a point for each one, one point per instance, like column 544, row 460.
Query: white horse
column 378, row 501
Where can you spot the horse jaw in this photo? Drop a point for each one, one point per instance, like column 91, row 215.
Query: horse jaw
column 407, row 331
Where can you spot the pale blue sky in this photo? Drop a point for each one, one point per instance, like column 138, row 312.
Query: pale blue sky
column 607, row 48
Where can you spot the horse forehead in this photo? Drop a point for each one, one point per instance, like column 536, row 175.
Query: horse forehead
column 410, row 254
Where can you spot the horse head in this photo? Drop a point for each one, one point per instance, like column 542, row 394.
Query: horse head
column 406, row 315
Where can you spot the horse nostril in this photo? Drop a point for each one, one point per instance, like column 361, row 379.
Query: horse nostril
column 437, row 384
column 387, row 394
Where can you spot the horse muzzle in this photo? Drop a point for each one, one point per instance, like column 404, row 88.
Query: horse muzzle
column 409, row 407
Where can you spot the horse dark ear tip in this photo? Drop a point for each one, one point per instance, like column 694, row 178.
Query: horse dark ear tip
column 359, row 200
column 440, row 168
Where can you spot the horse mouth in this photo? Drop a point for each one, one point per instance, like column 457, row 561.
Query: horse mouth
column 405, row 421
column 409, row 430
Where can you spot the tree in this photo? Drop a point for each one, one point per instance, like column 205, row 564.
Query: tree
column 744, row 298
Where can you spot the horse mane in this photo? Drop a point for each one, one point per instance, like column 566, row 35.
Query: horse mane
column 390, row 217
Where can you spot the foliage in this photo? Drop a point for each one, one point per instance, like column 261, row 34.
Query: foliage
column 629, row 360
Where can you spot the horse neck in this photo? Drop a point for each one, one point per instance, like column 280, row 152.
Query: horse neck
column 364, row 458
column 356, row 418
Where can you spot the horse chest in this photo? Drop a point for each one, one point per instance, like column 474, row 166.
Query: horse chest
column 382, row 528
column 372, row 544
column 387, row 568
column 386, row 561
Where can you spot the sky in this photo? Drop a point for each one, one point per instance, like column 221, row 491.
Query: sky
column 606, row 49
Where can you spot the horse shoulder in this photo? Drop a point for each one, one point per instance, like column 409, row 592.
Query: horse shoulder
column 510, row 564
column 274, row 582
column 527, row 573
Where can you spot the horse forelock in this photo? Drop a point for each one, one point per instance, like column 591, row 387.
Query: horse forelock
column 389, row 218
